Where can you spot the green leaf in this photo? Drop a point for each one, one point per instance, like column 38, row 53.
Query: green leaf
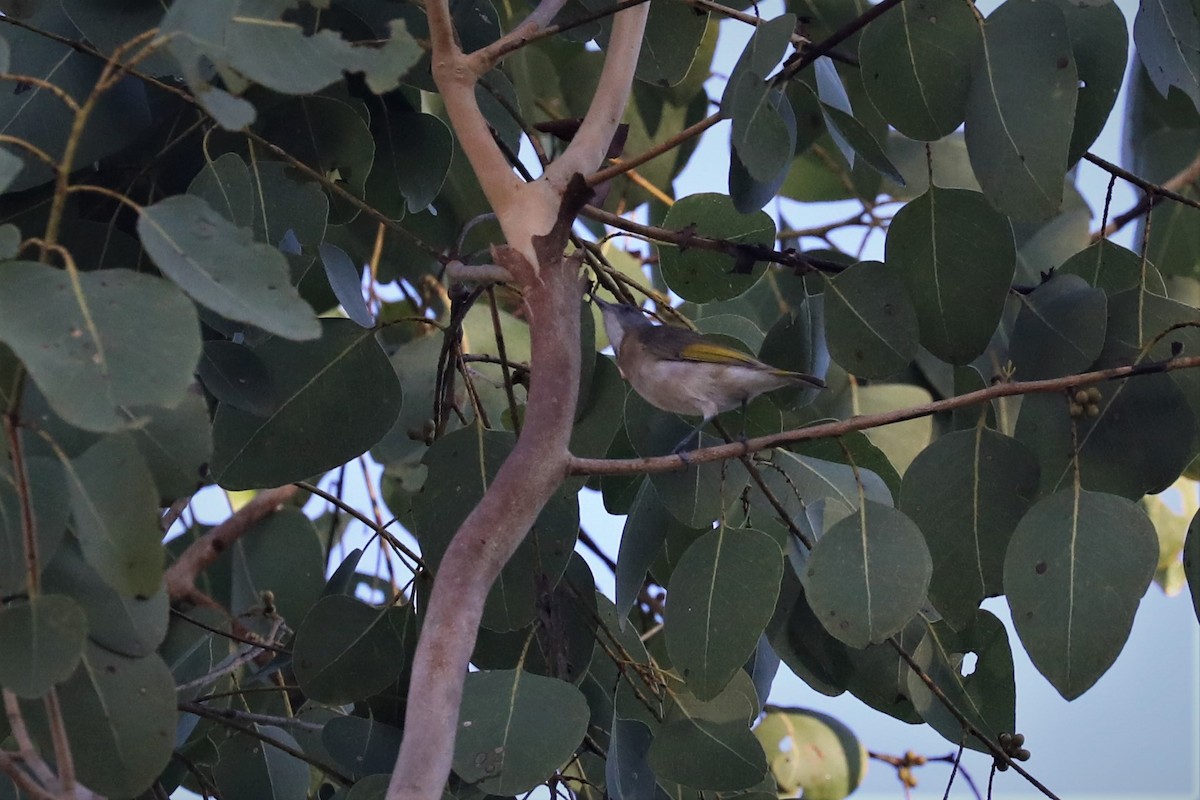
column 10, row 168
column 120, row 719
column 703, row 275
column 868, row 575
column 641, row 539
column 627, row 772
column 337, row 394
column 177, row 446
column 250, row 767
column 797, row 480
column 1021, row 108
column 96, row 362
column 48, row 493
column 361, row 746
column 346, row 650
column 987, row 696
column 278, row 53
column 1167, row 34
column 879, row 677
column 223, row 268
column 966, row 492
column 803, row 644
column 1140, row 440
column 811, row 753
column 43, row 641
column 722, row 593
column 671, row 42
column 128, row 626
column 329, row 135
column 1113, row 268
column 506, row 742
column 412, row 158
column 1059, row 330
column 870, row 325
column 760, row 160
column 114, row 504
column 762, row 52
column 233, row 374
column 916, row 66
column 1072, row 602
column 1100, row 45
column 467, row 461
column 902, row 441
column 955, row 256
column 282, row 554
column 1191, row 562
column 853, row 137
column 708, row 744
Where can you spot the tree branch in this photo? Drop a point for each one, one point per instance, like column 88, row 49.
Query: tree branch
column 590, row 144
column 180, row 577
column 1152, row 197
column 645, row 466
column 485, row 58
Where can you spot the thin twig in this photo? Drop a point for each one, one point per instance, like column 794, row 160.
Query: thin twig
column 1186, row 176
column 64, row 762
column 654, row 464
column 381, row 530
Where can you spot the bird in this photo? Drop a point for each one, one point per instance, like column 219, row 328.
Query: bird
column 678, row 370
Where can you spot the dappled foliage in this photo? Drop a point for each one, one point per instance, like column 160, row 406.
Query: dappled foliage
column 231, row 236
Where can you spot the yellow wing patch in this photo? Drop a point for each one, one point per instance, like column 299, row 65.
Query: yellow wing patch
column 711, row 353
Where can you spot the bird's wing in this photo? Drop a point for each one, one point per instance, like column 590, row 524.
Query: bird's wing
column 712, row 353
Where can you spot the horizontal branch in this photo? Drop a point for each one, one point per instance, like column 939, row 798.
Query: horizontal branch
column 1185, row 177
column 1142, row 183
column 828, row 430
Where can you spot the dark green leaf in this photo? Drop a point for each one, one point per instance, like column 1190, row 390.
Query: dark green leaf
column 338, row 395
column 868, row 575
column 43, row 641
column 281, row 554
column 703, row 275
column 40, row 118
column 1167, row 33
column 412, row 157
column 986, row 696
column 250, row 767
column 708, row 745
column 762, row 52
column 177, row 445
column 361, row 746
column 115, row 505
column 641, row 539
column 627, row 770
column 916, row 66
column 1072, row 601
column 811, row 754
column 671, row 43
column 966, row 492
column 1114, row 269
column 346, row 650
column 801, row 642
column 722, row 593
column 50, row 510
column 1021, row 108
column 506, row 742
column 468, row 460
column 851, row 135
column 870, row 324
column 222, row 267
column 955, row 257
column 1060, row 329
column 120, row 719
column 1191, row 562
column 96, row 363
column 236, row 376
column 879, row 677
column 755, row 178
column 1100, row 45
column 129, row 626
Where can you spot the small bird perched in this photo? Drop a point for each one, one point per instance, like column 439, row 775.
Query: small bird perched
column 684, row 372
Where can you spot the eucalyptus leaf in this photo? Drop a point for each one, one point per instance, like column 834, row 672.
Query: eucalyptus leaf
column 43, row 641
column 1073, row 603
column 95, row 362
